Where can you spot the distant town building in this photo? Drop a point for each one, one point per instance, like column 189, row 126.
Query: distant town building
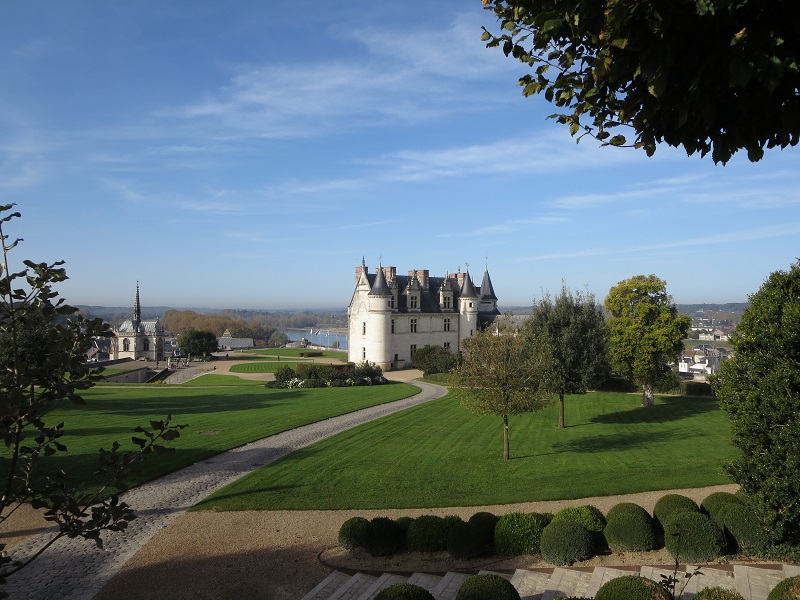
column 228, row 342
column 391, row 316
column 138, row 339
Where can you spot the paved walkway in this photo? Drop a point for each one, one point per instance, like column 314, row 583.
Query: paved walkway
column 74, row 569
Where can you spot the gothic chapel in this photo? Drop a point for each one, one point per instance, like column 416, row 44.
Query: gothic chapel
column 138, row 339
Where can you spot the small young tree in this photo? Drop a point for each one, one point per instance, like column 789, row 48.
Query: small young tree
column 197, row 343
column 759, row 388
column 503, row 373
column 433, row 359
column 576, row 328
column 646, row 331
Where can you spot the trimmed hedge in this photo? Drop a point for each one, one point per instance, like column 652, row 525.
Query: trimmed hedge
column 427, row 533
column 566, row 542
column 465, row 541
column 487, row 587
column 788, row 589
column 714, row 502
column 404, row 591
column 669, row 503
column 352, row 532
column 486, row 522
column 718, row 593
column 630, row 530
column 624, row 509
column 632, row 587
column 744, row 528
column 383, row 537
column 691, row 536
column 519, row 533
column 589, row 517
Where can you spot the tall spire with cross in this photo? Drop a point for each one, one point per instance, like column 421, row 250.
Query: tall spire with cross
column 137, row 307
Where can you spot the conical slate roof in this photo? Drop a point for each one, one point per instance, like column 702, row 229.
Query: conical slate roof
column 467, row 288
column 487, row 291
column 379, row 286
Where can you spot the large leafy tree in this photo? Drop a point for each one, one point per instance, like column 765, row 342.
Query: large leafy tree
column 43, row 346
column 197, row 343
column 576, row 328
column 646, row 331
column 713, row 76
column 759, row 388
column 433, row 359
column 503, row 373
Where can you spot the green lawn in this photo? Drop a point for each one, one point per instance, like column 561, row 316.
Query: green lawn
column 295, row 353
column 211, row 379
column 219, row 418
column 261, row 367
column 438, row 454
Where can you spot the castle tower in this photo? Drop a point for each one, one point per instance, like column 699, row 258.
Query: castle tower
column 379, row 322
column 468, row 309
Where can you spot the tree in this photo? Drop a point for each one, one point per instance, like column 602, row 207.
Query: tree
column 433, row 359
column 576, row 328
column 278, row 339
column 713, row 76
column 645, row 331
column 43, row 346
column 503, row 373
column 759, row 388
column 197, row 343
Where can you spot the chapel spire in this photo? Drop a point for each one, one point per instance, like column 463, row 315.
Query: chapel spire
column 137, row 307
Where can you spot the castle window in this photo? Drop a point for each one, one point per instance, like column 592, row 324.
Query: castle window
column 447, row 302
column 446, row 325
column 391, row 302
column 363, row 354
column 413, row 350
column 392, row 325
column 126, row 345
column 447, row 345
column 364, row 328
column 413, row 326
column 414, row 302
column 146, row 346
column 470, row 304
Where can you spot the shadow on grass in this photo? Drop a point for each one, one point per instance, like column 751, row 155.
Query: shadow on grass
column 605, row 443
column 668, row 408
column 249, row 498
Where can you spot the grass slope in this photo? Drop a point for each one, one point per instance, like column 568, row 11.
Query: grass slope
column 438, row 454
column 261, row 367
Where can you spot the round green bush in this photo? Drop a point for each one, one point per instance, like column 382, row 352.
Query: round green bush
column 691, row 536
column 519, row 533
column 718, row 593
column 404, row 591
column 566, row 542
column 631, row 532
column 714, row 502
column 465, row 541
column 666, row 505
column 631, row 587
column 383, row 537
column 788, row 589
column 624, row 509
column 487, row 587
column 588, row 516
column 427, row 533
column 486, row 523
column 743, row 526
column 352, row 532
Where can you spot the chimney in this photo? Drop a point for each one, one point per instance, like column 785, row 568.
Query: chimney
column 422, row 274
column 389, row 273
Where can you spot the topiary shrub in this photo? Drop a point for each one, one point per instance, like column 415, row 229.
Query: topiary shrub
column 670, row 503
column 566, row 542
column 383, row 537
column 352, row 532
column 630, row 530
column 487, row 587
column 589, row 517
column 743, row 527
column 691, row 536
column 714, row 502
column 404, row 591
column 486, row 523
column 718, row 593
column 519, row 533
column 427, row 533
column 465, row 541
column 788, row 589
column 632, row 587
column 624, row 509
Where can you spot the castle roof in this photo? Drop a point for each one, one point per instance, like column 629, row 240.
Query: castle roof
column 467, row 288
column 379, row 286
column 487, row 291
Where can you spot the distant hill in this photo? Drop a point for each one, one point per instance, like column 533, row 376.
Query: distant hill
column 731, row 307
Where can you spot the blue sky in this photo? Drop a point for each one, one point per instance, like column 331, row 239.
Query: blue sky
column 248, row 154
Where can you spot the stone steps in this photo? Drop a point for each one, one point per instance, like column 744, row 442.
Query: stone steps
column 753, row 582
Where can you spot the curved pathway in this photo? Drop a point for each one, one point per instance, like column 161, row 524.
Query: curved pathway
column 76, row 569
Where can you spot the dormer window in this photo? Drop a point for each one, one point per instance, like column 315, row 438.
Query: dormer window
column 414, row 302
column 446, row 301
column 391, row 302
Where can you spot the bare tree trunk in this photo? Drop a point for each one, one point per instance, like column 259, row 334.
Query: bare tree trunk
column 506, row 448
column 561, row 410
column 647, row 395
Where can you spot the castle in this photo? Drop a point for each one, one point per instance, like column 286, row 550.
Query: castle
column 138, row 339
column 391, row 315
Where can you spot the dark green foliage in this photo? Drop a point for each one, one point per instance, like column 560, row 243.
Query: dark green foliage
column 632, row 587
column 666, row 505
column 433, row 359
column 284, row 374
column 519, row 533
column 486, row 523
column 630, row 528
column 197, row 343
column 382, row 537
column 310, row 353
column 760, row 390
column 487, row 587
column 697, row 388
column 788, row 589
column 714, row 502
column 465, row 541
column 691, row 536
column 743, row 526
column 352, row 532
column 404, row 591
column 588, row 516
column 566, row 542
column 718, row 593
column 427, row 533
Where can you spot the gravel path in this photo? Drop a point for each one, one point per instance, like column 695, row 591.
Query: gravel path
column 77, row 569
